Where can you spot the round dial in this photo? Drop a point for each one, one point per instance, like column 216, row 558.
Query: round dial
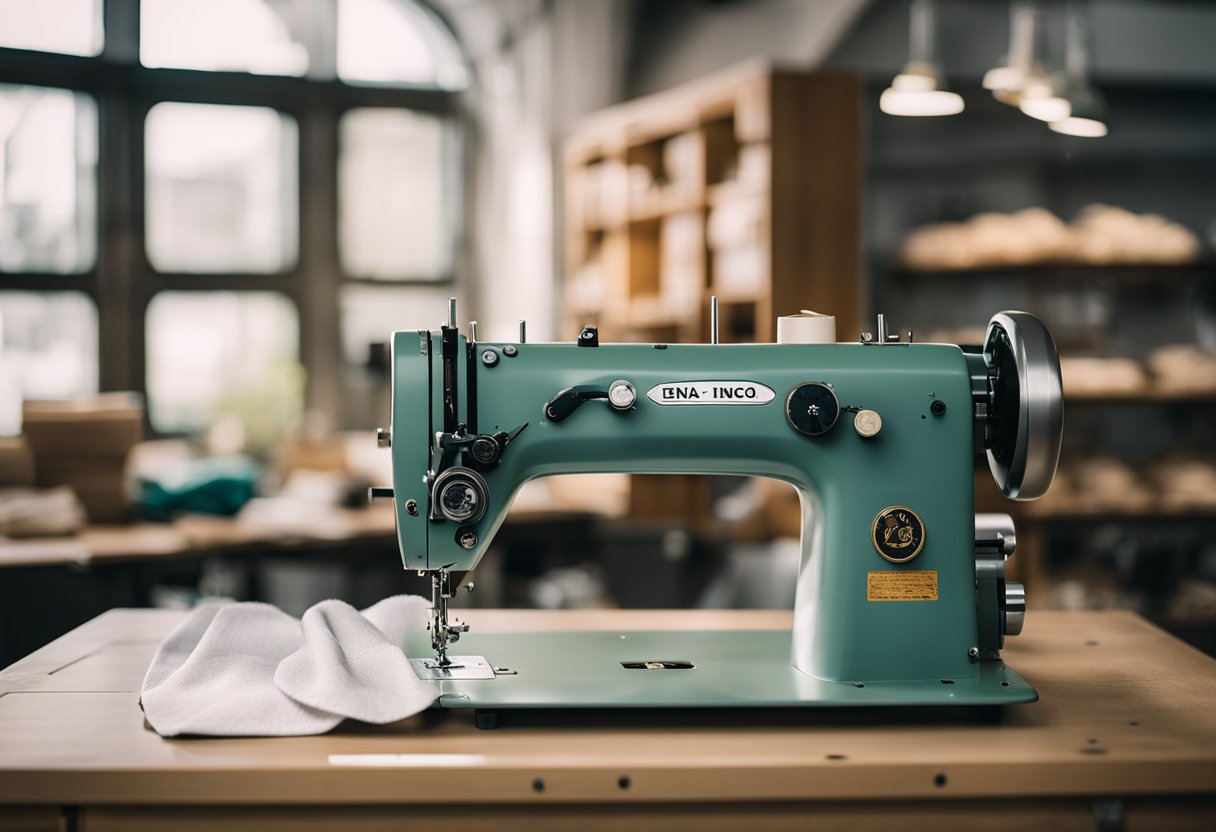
column 812, row 408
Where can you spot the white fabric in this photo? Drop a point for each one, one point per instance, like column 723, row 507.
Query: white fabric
column 252, row 670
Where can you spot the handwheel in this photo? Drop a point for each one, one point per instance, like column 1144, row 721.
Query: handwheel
column 1027, row 404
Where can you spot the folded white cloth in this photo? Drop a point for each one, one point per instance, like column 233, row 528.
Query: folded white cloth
column 252, row 670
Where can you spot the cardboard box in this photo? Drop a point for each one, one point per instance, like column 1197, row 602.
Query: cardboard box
column 84, row 444
column 108, row 425
column 16, row 463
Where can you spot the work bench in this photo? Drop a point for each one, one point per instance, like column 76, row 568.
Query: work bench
column 1123, row 737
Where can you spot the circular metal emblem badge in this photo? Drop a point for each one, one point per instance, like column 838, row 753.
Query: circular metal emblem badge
column 898, row 534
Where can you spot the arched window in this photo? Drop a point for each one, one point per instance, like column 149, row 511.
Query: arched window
column 278, row 180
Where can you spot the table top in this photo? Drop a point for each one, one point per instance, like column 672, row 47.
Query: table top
column 192, row 534
column 1125, row 710
column 189, row 534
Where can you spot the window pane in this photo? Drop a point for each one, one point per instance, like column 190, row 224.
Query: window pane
column 48, row 350
column 222, row 188
column 395, row 179
column 211, row 353
column 48, row 180
column 69, row 26
column 371, row 314
column 397, row 42
column 256, row 36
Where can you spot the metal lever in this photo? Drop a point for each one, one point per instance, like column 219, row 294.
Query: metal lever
column 620, row 394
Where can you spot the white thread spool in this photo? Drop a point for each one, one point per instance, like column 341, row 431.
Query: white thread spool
column 806, row 327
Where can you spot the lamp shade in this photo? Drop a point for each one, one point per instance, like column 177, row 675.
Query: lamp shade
column 1087, row 116
column 1044, row 98
column 1007, row 82
column 917, row 92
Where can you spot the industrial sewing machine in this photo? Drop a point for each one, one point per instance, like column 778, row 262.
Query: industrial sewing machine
column 901, row 596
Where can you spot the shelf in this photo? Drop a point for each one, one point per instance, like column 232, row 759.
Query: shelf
column 1114, row 514
column 723, row 193
column 664, row 207
column 1070, row 272
column 1148, row 395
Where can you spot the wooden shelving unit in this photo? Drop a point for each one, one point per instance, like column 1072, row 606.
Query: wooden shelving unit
column 746, row 185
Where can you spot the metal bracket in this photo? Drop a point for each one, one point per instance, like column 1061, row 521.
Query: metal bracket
column 882, row 338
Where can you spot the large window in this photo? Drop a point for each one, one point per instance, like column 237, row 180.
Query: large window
column 221, row 188
column 72, row 27
column 210, row 201
column 48, row 180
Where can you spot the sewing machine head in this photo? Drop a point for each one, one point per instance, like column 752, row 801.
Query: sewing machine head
column 898, row 581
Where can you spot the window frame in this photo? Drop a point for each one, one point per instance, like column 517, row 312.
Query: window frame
column 122, row 281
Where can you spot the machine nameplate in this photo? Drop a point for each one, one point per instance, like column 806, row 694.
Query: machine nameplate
column 710, row 392
column 901, row 586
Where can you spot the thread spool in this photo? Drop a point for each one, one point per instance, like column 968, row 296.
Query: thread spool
column 806, row 327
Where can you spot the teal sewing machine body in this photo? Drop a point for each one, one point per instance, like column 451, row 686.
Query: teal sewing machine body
column 890, row 605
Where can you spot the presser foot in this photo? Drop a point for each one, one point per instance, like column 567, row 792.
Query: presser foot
column 443, row 631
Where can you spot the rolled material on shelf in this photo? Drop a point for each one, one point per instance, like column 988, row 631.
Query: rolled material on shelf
column 806, row 327
column 1101, row 235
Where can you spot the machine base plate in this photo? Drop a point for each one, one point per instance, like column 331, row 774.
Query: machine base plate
column 689, row 669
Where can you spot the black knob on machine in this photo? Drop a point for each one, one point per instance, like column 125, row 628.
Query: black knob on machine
column 485, row 450
column 812, row 408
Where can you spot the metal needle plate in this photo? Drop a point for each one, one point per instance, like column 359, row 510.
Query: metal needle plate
column 462, row 667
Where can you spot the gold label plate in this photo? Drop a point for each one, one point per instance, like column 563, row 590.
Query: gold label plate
column 901, row 586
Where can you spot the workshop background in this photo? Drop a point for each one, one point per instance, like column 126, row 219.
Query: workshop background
column 214, row 212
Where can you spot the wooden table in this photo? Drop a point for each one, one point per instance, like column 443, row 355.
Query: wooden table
column 190, row 535
column 49, row 585
column 1124, row 737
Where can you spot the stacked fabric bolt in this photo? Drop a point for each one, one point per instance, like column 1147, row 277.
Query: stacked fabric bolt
column 1090, row 376
column 1100, row 235
column 1098, row 483
column 1030, row 236
column 29, row 512
column 1104, row 234
column 1183, row 368
column 1185, row 483
column 1175, row 482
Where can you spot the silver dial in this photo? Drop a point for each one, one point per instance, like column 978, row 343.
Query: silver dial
column 622, row 394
